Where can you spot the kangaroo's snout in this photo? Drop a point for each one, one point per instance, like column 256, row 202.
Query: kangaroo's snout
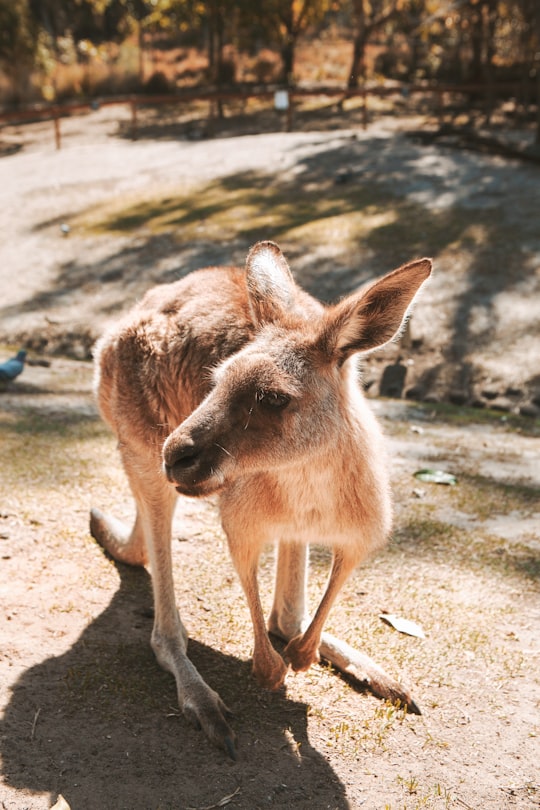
column 179, row 456
column 192, row 465
column 182, row 460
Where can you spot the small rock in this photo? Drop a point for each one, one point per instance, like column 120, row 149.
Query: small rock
column 414, row 392
column 458, row 397
column 392, row 380
column 343, row 176
column 502, row 404
column 529, row 409
column 39, row 361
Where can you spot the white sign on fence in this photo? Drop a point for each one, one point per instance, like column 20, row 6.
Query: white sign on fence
column 281, row 100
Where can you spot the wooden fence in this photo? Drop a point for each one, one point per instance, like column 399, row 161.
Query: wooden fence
column 283, row 100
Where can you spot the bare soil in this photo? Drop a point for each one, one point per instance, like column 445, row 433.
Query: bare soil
column 86, row 711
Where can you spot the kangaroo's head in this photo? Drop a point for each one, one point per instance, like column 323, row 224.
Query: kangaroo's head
column 286, row 395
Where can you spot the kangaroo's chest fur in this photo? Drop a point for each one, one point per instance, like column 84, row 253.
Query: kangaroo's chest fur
column 339, row 497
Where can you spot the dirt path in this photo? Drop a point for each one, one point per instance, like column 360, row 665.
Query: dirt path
column 86, row 711
column 91, row 227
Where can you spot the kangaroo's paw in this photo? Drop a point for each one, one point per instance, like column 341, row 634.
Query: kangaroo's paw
column 301, row 653
column 362, row 670
column 269, row 670
column 114, row 536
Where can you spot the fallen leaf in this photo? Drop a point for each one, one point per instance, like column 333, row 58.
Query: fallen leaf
column 436, row 477
column 403, row 625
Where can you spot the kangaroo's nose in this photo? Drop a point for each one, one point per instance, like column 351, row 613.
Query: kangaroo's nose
column 179, row 458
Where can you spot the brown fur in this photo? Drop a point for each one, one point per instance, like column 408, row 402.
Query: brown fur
column 239, row 383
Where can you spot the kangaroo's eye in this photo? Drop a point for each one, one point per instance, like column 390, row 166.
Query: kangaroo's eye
column 273, row 399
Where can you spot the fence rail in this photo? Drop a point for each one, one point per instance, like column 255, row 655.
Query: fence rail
column 55, row 112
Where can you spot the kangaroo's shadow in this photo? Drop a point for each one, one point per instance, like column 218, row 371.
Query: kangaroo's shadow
column 100, row 725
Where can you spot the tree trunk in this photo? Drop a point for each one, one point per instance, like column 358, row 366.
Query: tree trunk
column 288, row 44
column 287, row 58
column 215, row 48
column 358, row 65
column 538, row 106
column 357, row 70
column 477, row 38
column 219, row 63
column 211, row 49
column 537, row 65
column 490, row 18
column 141, row 54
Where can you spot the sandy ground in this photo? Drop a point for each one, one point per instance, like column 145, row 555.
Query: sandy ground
column 86, row 711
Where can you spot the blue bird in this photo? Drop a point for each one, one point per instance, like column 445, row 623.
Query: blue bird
column 12, row 368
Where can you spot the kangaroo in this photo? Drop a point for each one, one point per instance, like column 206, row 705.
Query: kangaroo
column 238, row 383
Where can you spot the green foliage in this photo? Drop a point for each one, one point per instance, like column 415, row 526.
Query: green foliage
column 93, row 20
column 18, row 34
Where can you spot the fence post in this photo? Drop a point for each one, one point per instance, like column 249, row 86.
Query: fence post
column 133, row 120
column 440, row 103
column 290, row 113
column 57, row 135
column 364, row 109
column 210, row 127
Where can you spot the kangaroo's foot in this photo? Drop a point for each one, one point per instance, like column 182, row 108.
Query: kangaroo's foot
column 117, row 539
column 202, row 707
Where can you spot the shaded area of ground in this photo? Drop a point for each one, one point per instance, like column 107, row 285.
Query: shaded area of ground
column 98, row 724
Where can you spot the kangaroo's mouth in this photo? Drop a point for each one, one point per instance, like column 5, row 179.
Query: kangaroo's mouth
column 192, row 470
column 194, row 483
column 199, row 489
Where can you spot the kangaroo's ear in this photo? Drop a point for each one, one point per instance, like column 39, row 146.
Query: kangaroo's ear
column 371, row 317
column 271, row 286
